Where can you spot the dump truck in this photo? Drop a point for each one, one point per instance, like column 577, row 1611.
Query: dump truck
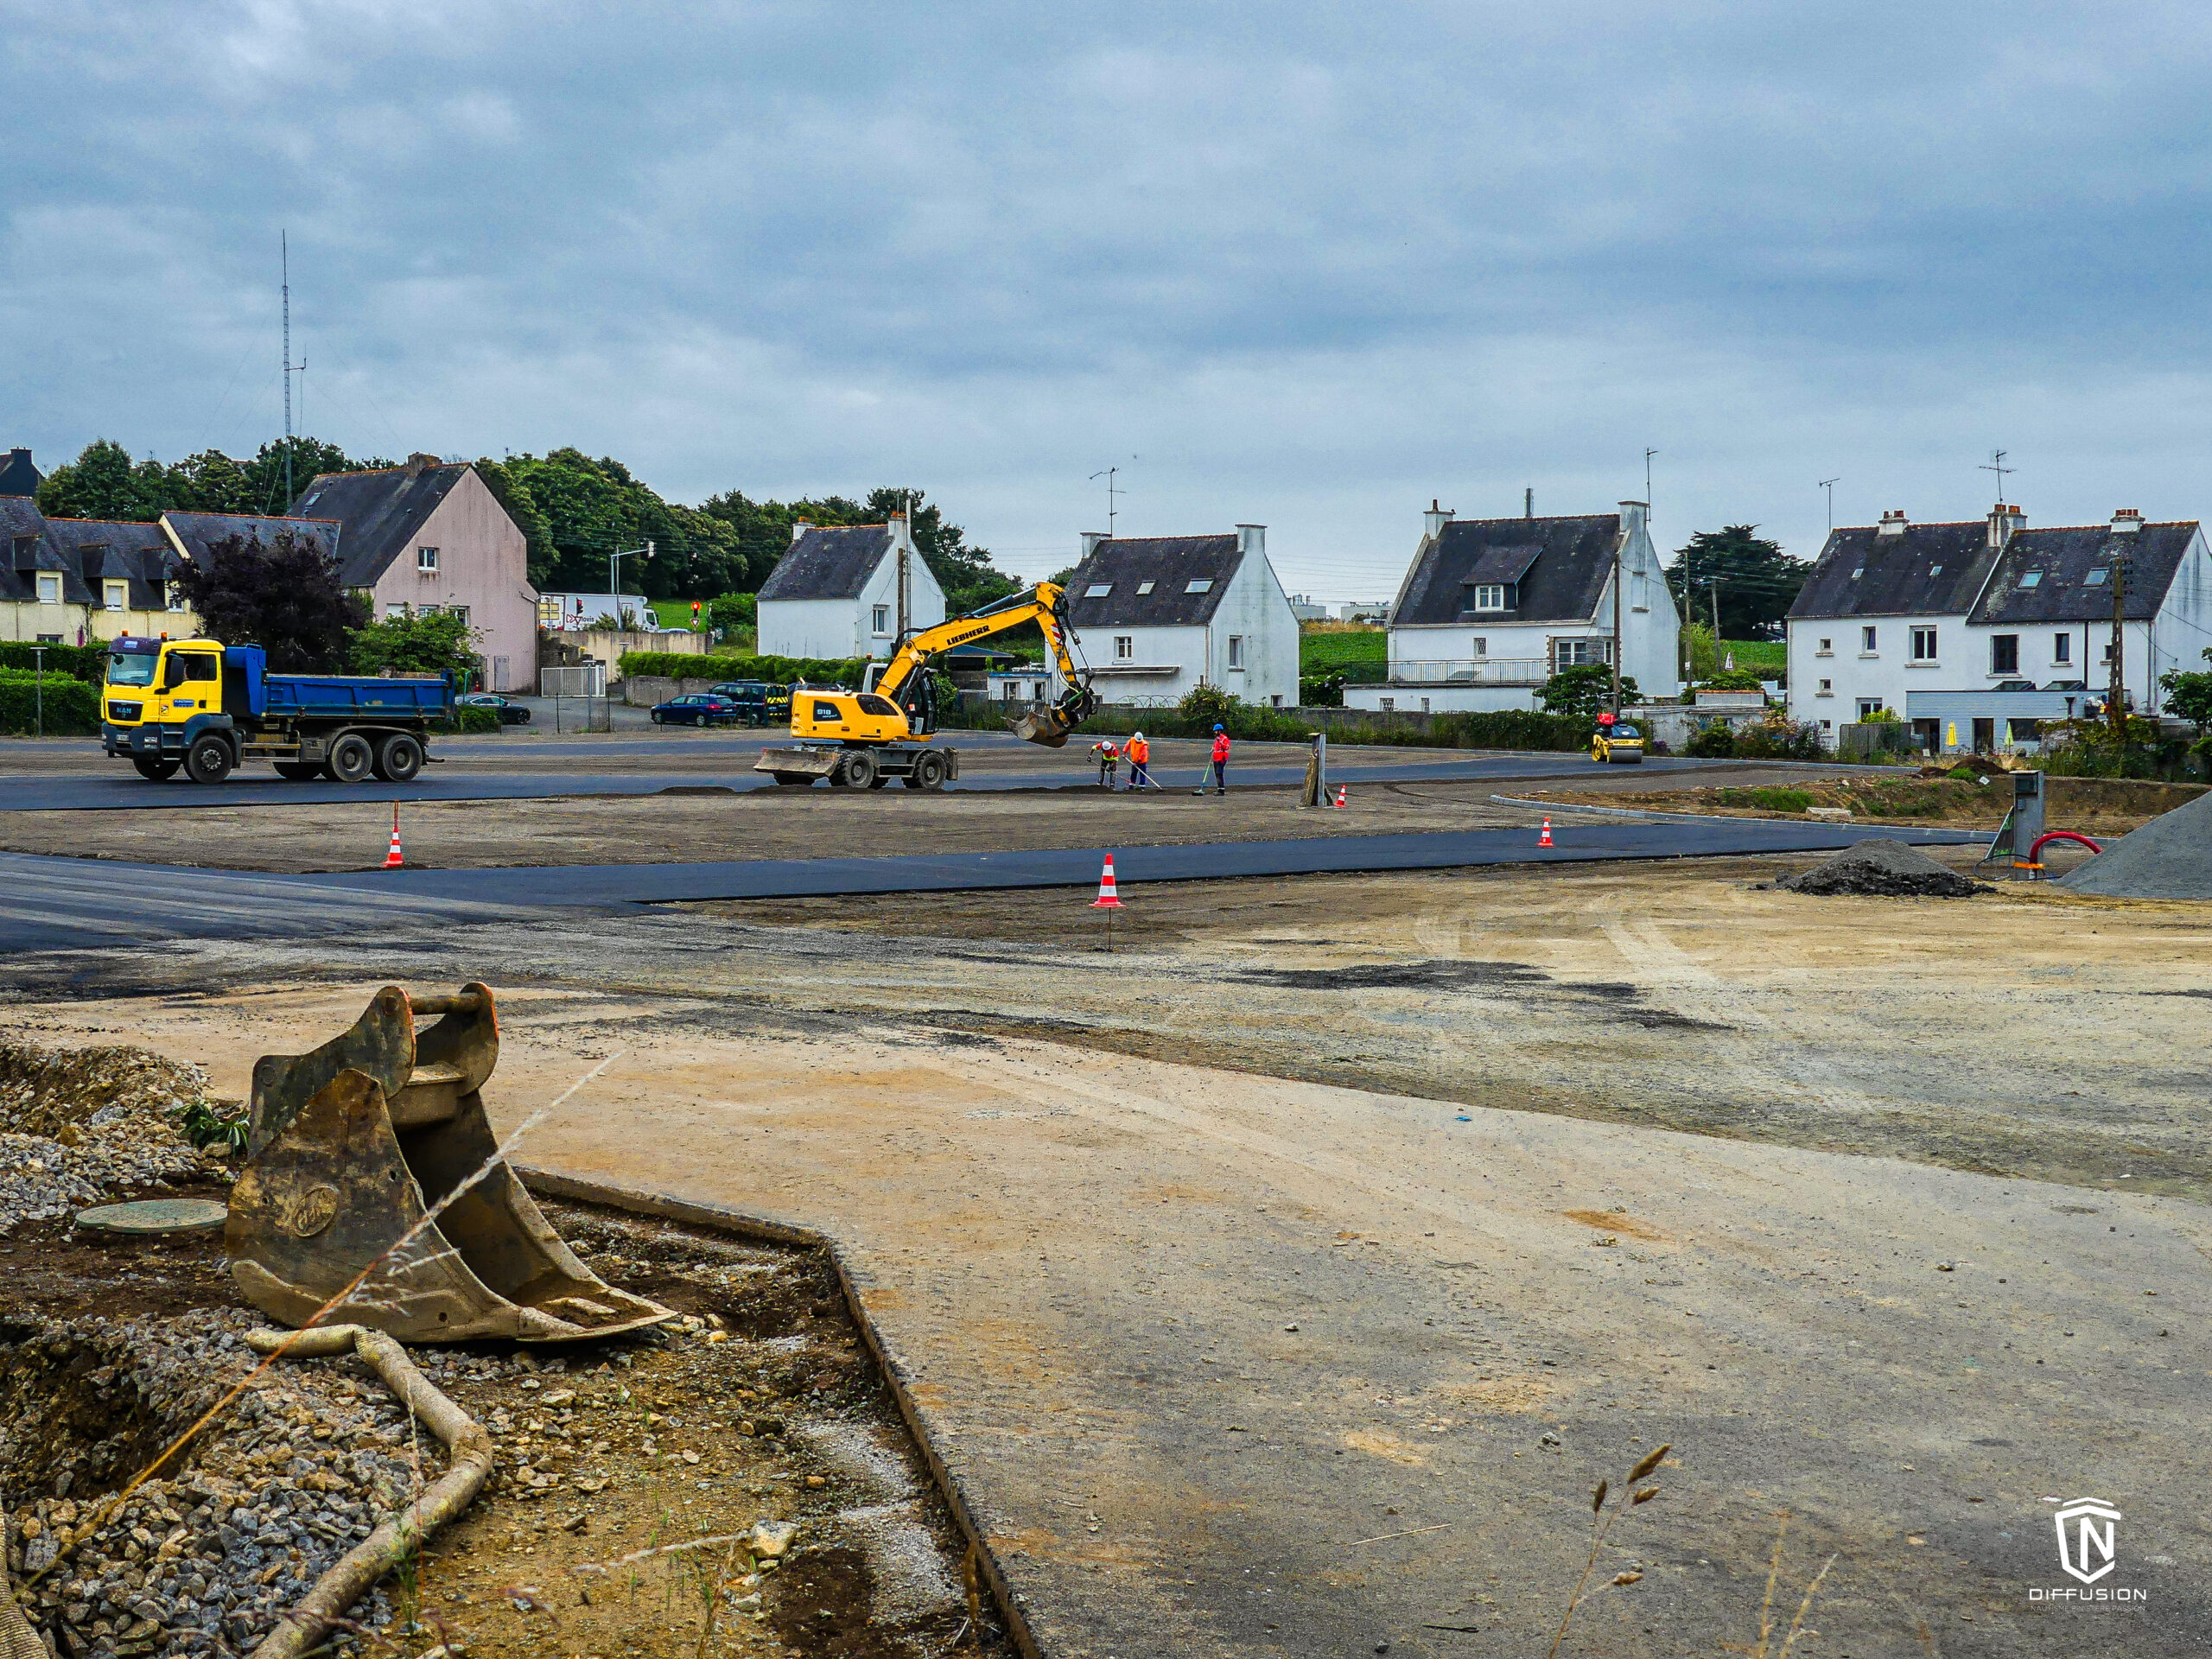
column 864, row 739
column 206, row 707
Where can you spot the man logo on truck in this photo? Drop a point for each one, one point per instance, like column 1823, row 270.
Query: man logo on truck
column 204, row 706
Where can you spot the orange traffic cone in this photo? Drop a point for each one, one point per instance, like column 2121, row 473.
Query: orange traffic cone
column 1545, row 839
column 1108, row 899
column 1340, row 795
column 392, row 860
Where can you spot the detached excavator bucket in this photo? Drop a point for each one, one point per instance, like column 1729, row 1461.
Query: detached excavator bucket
column 349, row 1149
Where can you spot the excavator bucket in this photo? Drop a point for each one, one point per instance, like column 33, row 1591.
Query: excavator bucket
column 1050, row 728
column 350, row 1149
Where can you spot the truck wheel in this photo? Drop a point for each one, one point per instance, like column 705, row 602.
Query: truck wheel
column 858, row 770
column 209, row 760
column 399, row 757
column 929, row 771
column 351, row 760
column 153, row 768
column 299, row 770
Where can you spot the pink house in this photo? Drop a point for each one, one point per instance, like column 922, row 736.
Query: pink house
column 431, row 536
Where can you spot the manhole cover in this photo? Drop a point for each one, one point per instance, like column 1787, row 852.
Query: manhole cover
column 157, row 1216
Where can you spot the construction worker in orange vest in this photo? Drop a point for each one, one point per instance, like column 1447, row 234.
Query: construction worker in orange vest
column 1220, row 763
column 1140, row 753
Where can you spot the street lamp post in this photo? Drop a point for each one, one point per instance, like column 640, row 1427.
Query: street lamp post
column 38, row 683
column 614, row 581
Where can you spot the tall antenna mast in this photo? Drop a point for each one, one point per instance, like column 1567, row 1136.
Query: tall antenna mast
column 1996, row 464
column 285, row 249
column 1829, row 484
column 1110, row 493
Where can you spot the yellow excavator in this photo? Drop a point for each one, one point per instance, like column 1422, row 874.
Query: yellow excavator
column 863, row 740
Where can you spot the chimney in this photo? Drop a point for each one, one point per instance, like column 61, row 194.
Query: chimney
column 1529, row 502
column 1633, row 514
column 799, row 527
column 418, row 462
column 2005, row 523
column 1091, row 540
column 1434, row 520
column 1893, row 523
column 2126, row 522
column 1252, row 538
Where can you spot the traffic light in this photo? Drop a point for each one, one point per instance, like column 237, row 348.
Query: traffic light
column 695, row 613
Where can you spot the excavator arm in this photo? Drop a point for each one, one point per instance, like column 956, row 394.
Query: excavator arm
column 1046, row 604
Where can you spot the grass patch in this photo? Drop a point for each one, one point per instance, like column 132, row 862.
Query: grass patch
column 1361, row 654
column 1768, row 799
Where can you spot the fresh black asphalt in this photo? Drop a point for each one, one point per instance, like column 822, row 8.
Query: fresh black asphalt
column 56, row 904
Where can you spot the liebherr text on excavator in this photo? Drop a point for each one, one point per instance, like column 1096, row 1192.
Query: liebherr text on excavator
column 863, row 740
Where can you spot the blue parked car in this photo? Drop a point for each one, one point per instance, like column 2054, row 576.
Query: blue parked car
column 701, row 709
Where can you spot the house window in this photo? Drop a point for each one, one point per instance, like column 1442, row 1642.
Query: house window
column 1098, row 590
column 1424, row 705
column 1143, row 588
column 395, row 610
column 1389, row 704
column 1199, row 585
column 1578, row 653
column 1869, row 706
column 116, row 596
column 2062, row 647
column 1125, row 647
column 426, row 558
column 1482, row 647
column 1827, row 648
column 1923, row 644
column 460, row 612
column 1489, row 596
column 1867, row 640
column 1005, row 691
column 49, row 588
column 882, row 623
column 2033, row 579
column 1236, row 651
column 2005, row 653
column 175, row 592
column 1827, row 689
column 1934, row 569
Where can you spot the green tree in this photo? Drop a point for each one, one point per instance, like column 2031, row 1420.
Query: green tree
column 283, row 595
column 2189, row 696
column 582, row 510
column 1757, row 580
column 1583, row 691
column 442, row 643
column 103, row 483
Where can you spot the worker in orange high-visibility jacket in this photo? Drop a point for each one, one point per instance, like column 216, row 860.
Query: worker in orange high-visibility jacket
column 1140, row 753
column 1220, row 777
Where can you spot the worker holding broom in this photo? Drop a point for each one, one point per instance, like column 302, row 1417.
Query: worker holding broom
column 1220, row 763
column 1140, row 753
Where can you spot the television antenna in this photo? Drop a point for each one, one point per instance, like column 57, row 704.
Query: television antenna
column 1996, row 464
column 1829, row 484
column 1111, row 491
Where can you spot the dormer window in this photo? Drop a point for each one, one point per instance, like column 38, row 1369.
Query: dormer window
column 1098, row 590
column 1199, row 585
column 1143, row 588
column 1490, row 595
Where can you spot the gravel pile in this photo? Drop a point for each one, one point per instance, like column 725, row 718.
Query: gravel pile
column 2170, row 857
column 81, row 1126
column 1885, row 870
column 207, row 1558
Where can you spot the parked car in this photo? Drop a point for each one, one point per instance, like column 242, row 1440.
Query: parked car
column 700, row 709
column 761, row 703
column 511, row 714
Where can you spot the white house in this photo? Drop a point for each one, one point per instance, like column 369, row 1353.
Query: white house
column 1158, row 615
column 836, row 592
column 1493, row 607
column 1977, row 632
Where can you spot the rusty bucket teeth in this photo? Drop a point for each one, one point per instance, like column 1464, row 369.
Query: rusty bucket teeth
column 1048, row 729
column 349, row 1149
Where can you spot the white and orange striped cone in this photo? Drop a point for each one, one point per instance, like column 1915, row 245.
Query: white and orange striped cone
column 1339, row 801
column 1108, row 899
column 1545, row 839
column 392, row 860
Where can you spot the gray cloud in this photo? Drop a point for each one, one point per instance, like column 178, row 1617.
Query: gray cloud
column 1310, row 265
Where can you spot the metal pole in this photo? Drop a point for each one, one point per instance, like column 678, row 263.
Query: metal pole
column 1617, row 613
column 2115, row 700
column 38, row 678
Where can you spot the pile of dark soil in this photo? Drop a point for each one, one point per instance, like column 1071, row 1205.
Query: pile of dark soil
column 2170, row 857
column 1885, row 870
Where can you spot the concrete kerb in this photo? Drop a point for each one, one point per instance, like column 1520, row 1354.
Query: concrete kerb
column 697, row 1212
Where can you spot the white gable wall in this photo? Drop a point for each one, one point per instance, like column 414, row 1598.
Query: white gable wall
column 846, row 627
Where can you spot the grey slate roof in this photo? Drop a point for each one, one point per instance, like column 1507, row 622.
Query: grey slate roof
column 1562, row 564
column 2062, row 558
column 17, row 475
column 1929, row 570
column 1170, row 563
column 201, row 531
column 828, row 561
column 381, row 511
column 88, row 551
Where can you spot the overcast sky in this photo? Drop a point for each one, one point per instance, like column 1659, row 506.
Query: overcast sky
column 1302, row 265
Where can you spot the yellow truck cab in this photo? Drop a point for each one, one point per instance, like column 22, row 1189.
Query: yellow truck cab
column 203, row 707
column 1619, row 744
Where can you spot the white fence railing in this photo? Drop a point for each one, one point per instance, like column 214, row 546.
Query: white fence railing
column 1470, row 670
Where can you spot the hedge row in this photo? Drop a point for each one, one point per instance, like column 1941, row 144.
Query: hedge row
column 72, row 708
column 1509, row 728
column 85, row 663
column 777, row 670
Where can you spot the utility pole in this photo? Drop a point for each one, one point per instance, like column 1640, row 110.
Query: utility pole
column 1619, row 541
column 906, row 576
column 284, row 256
column 2116, row 696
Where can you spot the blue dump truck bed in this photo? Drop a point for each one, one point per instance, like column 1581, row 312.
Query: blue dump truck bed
column 328, row 697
